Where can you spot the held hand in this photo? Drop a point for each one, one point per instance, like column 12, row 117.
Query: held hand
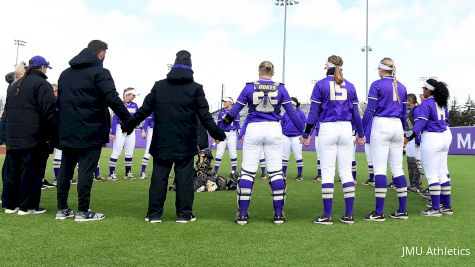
column 361, row 140
column 143, row 134
column 111, row 137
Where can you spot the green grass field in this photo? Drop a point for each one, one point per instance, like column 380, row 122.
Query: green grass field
column 125, row 239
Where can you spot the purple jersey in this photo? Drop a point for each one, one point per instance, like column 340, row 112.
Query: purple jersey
column 336, row 101
column 231, row 127
column 252, row 97
column 131, row 107
column 388, row 103
column 431, row 117
column 288, row 128
column 383, row 102
column 331, row 102
column 148, row 123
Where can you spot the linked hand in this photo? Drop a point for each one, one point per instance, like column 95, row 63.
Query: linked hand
column 111, row 137
column 143, row 134
column 361, row 140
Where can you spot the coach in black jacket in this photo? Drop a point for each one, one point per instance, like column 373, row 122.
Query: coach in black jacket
column 85, row 91
column 177, row 102
column 30, row 116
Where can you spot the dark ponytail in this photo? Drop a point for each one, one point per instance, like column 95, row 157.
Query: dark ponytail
column 441, row 92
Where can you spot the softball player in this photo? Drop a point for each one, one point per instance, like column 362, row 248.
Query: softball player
column 387, row 106
column 292, row 140
column 231, row 137
column 316, row 128
column 334, row 104
column 146, row 132
column 367, row 151
column 432, row 123
column 121, row 141
column 413, row 152
column 262, row 160
column 264, row 133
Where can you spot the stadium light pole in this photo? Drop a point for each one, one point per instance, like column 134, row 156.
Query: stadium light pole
column 285, row 3
column 18, row 43
column 366, row 49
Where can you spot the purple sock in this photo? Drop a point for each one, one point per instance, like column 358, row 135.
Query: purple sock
column 319, row 170
column 217, row 163
column 401, row 185
column 263, row 171
column 144, row 167
column 112, row 164
column 349, row 195
column 353, row 169
column 56, row 173
column 277, row 186
column 380, row 191
column 284, row 170
column 327, row 196
column 233, row 164
column 244, row 192
column 299, row 171
column 434, row 190
column 97, row 172
column 445, row 195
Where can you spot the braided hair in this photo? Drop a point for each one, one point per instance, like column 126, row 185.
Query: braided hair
column 390, row 63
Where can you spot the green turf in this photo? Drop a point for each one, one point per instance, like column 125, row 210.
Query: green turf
column 125, row 239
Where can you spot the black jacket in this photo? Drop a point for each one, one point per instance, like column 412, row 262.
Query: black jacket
column 177, row 102
column 30, row 113
column 85, row 91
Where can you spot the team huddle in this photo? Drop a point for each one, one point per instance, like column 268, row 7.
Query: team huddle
column 335, row 116
column 76, row 119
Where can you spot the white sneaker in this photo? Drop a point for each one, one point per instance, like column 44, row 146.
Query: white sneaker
column 143, row 176
column 31, row 211
column 129, row 176
column 112, row 178
column 9, row 211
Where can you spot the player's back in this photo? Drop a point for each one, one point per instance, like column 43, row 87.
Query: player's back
column 336, row 100
column 436, row 116
column 390, row 104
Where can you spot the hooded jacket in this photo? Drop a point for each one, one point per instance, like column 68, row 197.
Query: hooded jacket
column 85, row 91
column 30, row 114
column 178, row 103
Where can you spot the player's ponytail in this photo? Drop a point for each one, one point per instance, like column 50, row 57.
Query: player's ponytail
column 336, row 62
column 388, row 66
column 439, row 90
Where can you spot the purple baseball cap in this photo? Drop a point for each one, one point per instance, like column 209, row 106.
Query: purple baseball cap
column 38, row 61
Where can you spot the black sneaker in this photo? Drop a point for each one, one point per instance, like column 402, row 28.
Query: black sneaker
column 48, row 184
column 413, row 189
column 446, row 211
column 317, row 178
column 64, row 214
column 400, row 215
column 74, row 181
column 348, row 219
column 392, row 186
column 88, row 216
column 298, row 178
column 431, row 213
column 279, row 219
column 373, row 216
column 192, row 218
column 323, row 220
column 153, row 219
column 369, row 183
column 242, row 219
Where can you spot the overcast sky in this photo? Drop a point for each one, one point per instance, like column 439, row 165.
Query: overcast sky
column 228, row 39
